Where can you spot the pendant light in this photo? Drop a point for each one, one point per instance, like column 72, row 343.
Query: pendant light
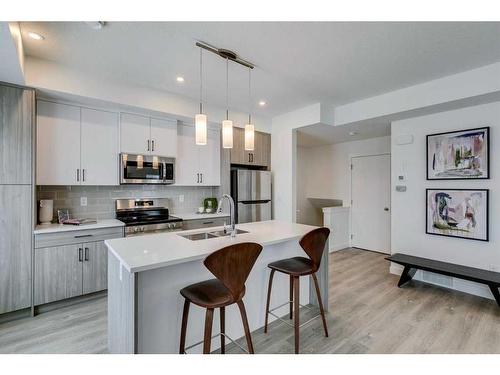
column 227, row 125
column 200, row 120
column 249, row 128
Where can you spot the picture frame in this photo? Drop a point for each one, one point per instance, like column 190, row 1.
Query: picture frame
column 458, row 155
column 459, row 213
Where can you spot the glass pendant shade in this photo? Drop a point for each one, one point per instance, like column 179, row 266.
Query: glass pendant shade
column 227, row 134
column 249, row 137
column 200, row 121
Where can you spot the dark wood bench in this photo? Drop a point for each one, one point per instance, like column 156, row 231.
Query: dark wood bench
column 412, row 264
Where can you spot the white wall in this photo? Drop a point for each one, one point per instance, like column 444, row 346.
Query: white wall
column 60, row 80
column 408, row 209
column 284, row 156
column 328, row 173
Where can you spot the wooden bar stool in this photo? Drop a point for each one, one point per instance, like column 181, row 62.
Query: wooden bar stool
column 313, row 244
column 231, row 266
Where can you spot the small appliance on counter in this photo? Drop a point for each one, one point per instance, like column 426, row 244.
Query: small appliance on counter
column 146, row 216
column 45, row 211
column 210, row 205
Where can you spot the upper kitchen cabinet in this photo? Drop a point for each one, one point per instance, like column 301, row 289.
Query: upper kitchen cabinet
column 164, row 137
column 16, row 120
column 58, row 144
column 99, row 147
column 76, row 146
column 261, row 154
column 197, row 165
column 148, row 136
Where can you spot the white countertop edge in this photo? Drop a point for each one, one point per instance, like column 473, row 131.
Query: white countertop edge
column 335, row 208
column 193, row 257
column 57, row 228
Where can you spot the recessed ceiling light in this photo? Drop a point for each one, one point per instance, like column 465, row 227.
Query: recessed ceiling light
column 262, row 103
column 180, row 79
column 35, row 36
column 353, row 133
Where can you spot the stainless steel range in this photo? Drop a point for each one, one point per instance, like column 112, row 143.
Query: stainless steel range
column 146, row 216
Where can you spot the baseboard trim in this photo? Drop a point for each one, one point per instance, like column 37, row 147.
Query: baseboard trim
column 458, row 284
column 338, row 247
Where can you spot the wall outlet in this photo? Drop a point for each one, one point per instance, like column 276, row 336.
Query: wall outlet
column 181, row 198
column 83, row 201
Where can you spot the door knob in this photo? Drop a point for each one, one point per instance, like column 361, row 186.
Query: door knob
column 386, row 208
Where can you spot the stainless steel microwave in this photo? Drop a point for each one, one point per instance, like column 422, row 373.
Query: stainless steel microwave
column 146, row 169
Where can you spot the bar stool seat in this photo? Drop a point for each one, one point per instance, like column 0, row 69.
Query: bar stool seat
column 297, row 266
column 209, row 294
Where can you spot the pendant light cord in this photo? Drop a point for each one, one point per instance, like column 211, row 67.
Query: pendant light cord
column 201, row 80
column 227, row 88
column 249, row 96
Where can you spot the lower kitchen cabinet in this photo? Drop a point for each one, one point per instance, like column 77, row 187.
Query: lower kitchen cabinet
column 95, row 267
column 65, row 267
column 205, row 223
column 58, row 273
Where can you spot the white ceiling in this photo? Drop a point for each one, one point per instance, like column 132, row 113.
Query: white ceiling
column 321, row 134
column 298, row 63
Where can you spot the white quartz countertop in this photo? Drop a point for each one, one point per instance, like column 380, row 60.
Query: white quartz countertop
column 152, row 251
column 195, row 216
column 54, row 228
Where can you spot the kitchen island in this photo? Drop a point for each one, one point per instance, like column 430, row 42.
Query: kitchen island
column 146, row 273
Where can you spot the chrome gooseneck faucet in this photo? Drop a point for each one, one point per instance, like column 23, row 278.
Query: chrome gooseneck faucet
column 231, row 212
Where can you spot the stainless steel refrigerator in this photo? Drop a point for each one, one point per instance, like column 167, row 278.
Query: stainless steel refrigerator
column 251, row 191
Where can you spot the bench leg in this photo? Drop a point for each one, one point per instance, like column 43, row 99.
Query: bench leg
column 496, row 294
column 407, row 275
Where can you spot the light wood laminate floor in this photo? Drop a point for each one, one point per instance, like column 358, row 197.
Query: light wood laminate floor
column 368, row 314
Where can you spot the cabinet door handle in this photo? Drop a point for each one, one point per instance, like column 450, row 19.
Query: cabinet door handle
column 148, row 144
column 80, row 254
column 153, row 145
column 78, row 175
column 201, row 177
column 86, row 254
column 252, row 157
column 197, row 178
column 207, row 222
column 83, row 235
column 83, row 175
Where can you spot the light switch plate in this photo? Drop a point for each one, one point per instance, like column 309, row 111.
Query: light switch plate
column 181, row 198
column 83, row 201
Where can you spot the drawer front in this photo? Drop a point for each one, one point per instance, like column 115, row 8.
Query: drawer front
column 204, row 223
column 77, row 237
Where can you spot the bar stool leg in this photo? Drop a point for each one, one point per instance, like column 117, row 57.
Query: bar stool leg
column 320, row 303
column 222, row 330
column 207, row 341
column 291, row 297
column 268, row 299
column 185, row 314
column 245, row 326
column 296, row 300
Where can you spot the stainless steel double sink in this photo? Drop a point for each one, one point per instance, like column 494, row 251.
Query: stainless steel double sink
column 211, row 234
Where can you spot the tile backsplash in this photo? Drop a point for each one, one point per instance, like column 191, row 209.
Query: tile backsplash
column 101, row 199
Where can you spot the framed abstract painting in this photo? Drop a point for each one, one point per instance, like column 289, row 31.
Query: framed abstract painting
column 459, row 155
column 461, row 213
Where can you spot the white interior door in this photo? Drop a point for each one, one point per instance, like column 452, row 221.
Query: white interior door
column 370, row 207
column 99, row 147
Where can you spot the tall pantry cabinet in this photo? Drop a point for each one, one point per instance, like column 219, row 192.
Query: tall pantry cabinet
column 16, row 196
